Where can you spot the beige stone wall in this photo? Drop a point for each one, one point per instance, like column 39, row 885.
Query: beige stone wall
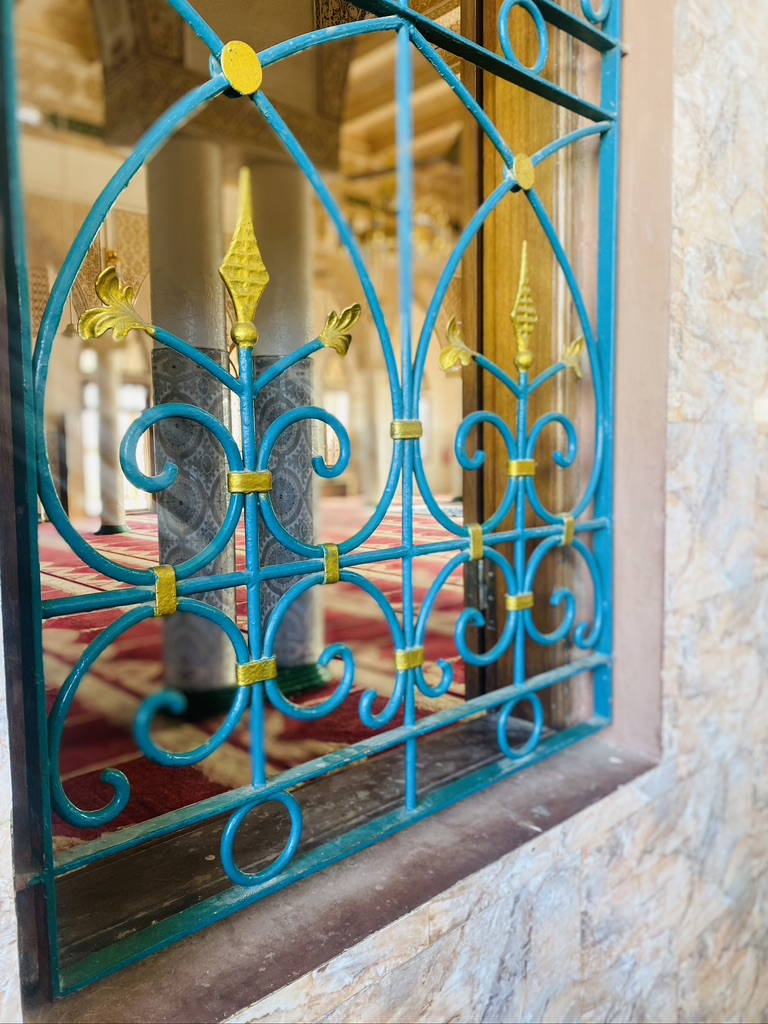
column 651, row 904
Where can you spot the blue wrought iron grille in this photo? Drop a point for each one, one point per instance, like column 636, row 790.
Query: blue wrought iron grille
column 586, row 527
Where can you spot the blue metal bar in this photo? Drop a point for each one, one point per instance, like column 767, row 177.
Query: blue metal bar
column 157, row 937
column 405, row 191
column 168, row 824
column 147, row 146
column 467, row 50
column 606, row 326
column 199, row 26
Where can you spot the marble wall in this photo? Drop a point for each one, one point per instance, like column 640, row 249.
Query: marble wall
column 653, row 903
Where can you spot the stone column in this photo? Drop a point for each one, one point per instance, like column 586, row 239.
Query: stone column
column 186, row 248
column 283, row 222
column 110, row 475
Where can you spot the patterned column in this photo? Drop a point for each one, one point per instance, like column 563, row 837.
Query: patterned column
column 300, row 637
column 283, row 221
column 184, row 186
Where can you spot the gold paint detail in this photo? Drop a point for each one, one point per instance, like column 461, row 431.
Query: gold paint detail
column 525, row 172
column 332, row 569
column 241, row 67
column 243, row 270
column 337, row 333
column 521, row 467
column 406, row 430
column 249, row 483
column 166, row 596
column 569, row 531
column 455, row 352
column 256, row 672
column 118, row 313
column 519, row 603
column 414, row 658
column 573, row 354
column 524, row 315
column 475, row 532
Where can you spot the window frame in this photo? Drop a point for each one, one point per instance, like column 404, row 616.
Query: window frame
column 6, row 610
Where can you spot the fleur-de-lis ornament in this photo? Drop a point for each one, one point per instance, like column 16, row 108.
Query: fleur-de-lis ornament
column 572, row 356
column 337, row 333
column 118, row 314
column 455, row 352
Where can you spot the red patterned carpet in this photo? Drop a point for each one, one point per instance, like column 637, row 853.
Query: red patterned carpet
column 98, row 732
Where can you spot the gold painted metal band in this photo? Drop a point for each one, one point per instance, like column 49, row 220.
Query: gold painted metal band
column 166, row 596
column 569, row 531
column 332, row 569
column 522, row 467
column 406, row 430
column 475, row 532
column 519, row 603
column 249, row 483
column 414, row 658
column 256, row 672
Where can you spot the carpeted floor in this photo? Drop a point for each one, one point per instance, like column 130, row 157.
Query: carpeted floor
column 98, row 733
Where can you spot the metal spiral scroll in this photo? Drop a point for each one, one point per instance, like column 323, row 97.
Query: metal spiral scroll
column 237, row 69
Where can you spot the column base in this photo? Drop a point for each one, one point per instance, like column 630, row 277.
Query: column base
column 110, row 531
column 292, row 681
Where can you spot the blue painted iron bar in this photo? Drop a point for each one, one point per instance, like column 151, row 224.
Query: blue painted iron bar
column 28, row 710
column 188, row 922
column 174, row 118
column 200, row 358
column 582, row 30
column 199, row 26
column 405, row 214
column 466, row 97
column 281, row 51
column 567, row 140
column 488, row 61
column 331, row 207
column 166, row 824
column 606, row 333
column 61, row 606
column 253, row 571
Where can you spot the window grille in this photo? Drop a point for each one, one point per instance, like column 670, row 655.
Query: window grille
column 522, row 525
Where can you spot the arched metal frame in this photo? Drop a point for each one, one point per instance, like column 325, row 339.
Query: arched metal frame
column 142, row 592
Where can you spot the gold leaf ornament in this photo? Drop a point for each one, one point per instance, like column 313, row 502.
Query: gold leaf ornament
column 337, row 333
column 455, row 352
column 118, row 313
column 573, row 354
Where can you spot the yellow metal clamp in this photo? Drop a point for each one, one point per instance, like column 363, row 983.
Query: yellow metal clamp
column 519, row 603
column 414, row 658
column 569, row 531
column 521, row 467
column 249, row 483
column 256, row 672
column 406, row 430
column 166, row 596
column 332, row 569
column 475, row 532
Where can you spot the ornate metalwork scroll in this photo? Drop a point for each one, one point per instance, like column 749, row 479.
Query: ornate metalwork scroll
column 584, row 528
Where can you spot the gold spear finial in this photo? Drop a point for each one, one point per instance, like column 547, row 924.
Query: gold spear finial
column 243, row 270
column 524, row 315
